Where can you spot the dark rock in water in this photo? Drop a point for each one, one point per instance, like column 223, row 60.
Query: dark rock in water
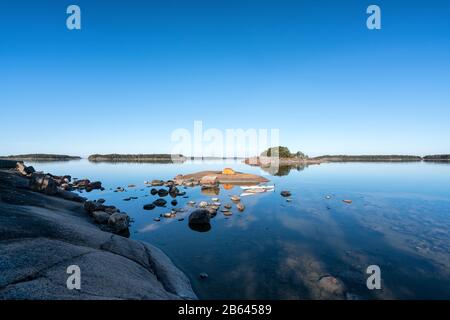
column 181, row 193
column 127, row 199
column 160, row 202
column 43, row 183
column 199, row 220
column 153, row 191
column 150, row 206
column 173, row 191
column 174, row 202
column 181, row 219
column 169, row 183
column 157, row 183
column 163, row 192
column 101, row 201
column 95, row 185
column 83, row 183
column 285, row 193
column 203, row 275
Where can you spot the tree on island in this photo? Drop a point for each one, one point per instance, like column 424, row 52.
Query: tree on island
column 282, row 152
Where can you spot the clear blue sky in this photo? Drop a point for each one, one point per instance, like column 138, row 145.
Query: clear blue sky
column 140, row 69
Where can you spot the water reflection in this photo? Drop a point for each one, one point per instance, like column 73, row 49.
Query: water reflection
column 282, row 170
column 315, row 247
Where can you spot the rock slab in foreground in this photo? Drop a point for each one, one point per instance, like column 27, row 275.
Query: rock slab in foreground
column 41, row 235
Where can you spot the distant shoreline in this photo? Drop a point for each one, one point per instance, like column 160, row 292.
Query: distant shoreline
column 40, row 157
column 267, row 161
column 157, row 158
column 256, row 161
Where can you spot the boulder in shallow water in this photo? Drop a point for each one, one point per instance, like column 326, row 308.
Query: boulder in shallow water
column 157, row 183
column 209, row 180
column 154, row 191
column 160, row 202
column 199, row 220
column 149, row 206
column 163, row 192
column 95, row 185
column 173, row 191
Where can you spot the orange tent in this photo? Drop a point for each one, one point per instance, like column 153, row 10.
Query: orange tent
column 228, row 171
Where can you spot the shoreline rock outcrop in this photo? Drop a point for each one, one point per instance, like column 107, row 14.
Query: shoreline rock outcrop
column 41, row 235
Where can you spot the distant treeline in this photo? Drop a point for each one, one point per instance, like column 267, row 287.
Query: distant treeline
column 368, row 158
column 40, row 157
column 438, row 157
column 164, row 158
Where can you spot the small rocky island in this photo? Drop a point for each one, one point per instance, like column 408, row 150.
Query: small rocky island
column 44, row 228
column 281, row 156
column 40, row 157
column 155, row 158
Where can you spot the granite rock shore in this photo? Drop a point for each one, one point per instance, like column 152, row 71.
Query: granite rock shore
column 41, row 235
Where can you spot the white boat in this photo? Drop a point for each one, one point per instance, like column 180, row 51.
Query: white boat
column 250, row 192
column 257, row 187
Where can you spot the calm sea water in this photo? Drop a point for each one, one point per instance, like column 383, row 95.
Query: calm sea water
column 399, row 220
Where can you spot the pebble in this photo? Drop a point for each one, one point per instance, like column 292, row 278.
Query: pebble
column 203, row 275
column 235, row 198
column 285, row 193
column 169, row 215
column 157, row 219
